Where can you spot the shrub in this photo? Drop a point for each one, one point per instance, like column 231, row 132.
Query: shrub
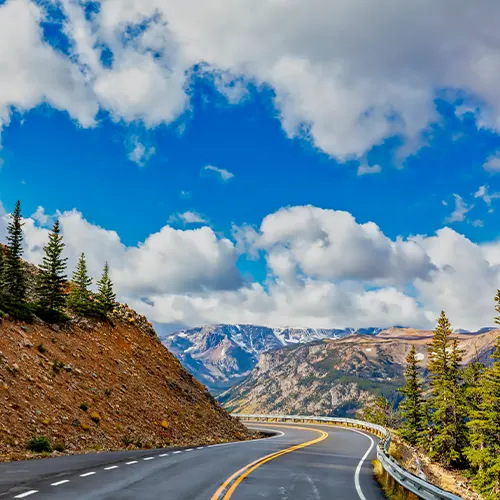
column 41, row 348
column 50, row 315
column 127, row 440
column 107, row 392
column 95, row 417
column 164, row 424
column 86, row 427
column 39, row 444
column 57, row 365
column 84, row 406
column 59, row 446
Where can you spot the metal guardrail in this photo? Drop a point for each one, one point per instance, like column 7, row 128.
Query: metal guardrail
column 411, row 482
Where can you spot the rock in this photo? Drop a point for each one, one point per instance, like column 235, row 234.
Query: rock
column 25, row 328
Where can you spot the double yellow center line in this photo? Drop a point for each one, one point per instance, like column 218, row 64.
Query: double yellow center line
column 227, row 488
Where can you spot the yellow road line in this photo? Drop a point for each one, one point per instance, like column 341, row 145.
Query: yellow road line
column 242, row 473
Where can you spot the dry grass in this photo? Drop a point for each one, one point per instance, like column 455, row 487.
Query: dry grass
column 392, row 489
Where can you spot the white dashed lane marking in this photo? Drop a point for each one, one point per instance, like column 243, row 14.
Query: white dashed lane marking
column 87, row 474
column 200, row 448
column 112, row 467
column 130, row 463
column 149, row 458
column 26, row 494
column 190, row 449
column 175, row 452
column 163, row 455
column 60, row 482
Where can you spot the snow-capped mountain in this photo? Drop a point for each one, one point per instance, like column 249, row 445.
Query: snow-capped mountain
column 222, row 355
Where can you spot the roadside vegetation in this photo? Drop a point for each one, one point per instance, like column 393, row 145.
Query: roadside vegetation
column 52, row 296
column 453, row 413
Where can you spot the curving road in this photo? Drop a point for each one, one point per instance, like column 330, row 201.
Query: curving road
column 301, row 462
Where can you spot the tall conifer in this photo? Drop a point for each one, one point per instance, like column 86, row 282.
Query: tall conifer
column 105, row 296
column 411, row 408
column 15, row 278
column 79, row 297
column 446, row 396
column 51, row 283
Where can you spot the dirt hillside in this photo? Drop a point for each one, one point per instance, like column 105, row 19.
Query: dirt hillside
column 93, row 386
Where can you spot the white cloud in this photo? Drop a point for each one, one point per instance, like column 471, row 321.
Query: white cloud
column 329, row 244
column 487, row 197
column 346, row 74
column 493, row 163
column 139, row 153
column 364, row 169
column 33, row 72
column 188, row 217
column 460, row 211
column 324, row 270
column 223, row 174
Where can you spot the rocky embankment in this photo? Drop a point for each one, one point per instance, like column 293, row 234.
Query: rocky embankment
column 91, row 386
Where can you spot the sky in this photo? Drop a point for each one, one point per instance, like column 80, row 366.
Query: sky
column 296, row 163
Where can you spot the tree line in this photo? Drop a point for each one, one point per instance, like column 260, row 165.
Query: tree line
column 454, row 414
column 53, row 294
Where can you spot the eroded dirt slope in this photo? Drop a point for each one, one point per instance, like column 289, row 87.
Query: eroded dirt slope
column 93, row 386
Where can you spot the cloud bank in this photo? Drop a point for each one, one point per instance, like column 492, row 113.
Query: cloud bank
column 345, row 74
column 324, row 269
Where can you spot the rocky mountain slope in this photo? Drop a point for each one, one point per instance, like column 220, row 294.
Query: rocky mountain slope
column 95, row 386
column 336, row 377
column 222, row 355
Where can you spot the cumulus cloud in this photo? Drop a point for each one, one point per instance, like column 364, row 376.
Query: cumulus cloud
column 325, row 269
column 345, row 74
column 140, row 153
column 460, row 211
column 484, row 194
column 188, row 217
column 493, row 163
column 223, row 174
column 364, row 169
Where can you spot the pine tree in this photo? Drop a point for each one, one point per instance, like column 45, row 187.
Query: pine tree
column 15, row 278
column 484, row 424
column 79, row 299
column 105, row 296
column 2, row 280
column 412, row 411
column 448, row 415
column 52, row 279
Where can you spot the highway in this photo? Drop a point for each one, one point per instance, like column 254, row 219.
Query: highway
column 300, row 462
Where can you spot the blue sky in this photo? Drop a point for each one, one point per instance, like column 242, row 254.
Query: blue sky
column 110, row 113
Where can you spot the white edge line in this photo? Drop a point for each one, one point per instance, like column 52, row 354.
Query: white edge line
column 112, row 467
column 130, row 463
column 87, row 474
column 26, row 494
column 358, row 468
column 60, row 482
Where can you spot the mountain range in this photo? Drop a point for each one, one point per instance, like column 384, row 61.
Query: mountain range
column 338, row 377
column 220, row 356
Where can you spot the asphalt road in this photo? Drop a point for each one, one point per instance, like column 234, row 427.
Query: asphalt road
column 301, row 462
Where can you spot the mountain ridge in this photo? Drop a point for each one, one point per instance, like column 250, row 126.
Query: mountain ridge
column 222, row 355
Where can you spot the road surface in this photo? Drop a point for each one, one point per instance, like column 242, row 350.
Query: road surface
column 300, row 462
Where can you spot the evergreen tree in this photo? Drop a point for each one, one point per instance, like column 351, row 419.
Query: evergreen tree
column 412, row 411
column 52, row 279
column 484, row 450
column 484, row 424
column 15, row 279
column 2, row 270
column 105, row 295
column 79, row 299
column 448, row 411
